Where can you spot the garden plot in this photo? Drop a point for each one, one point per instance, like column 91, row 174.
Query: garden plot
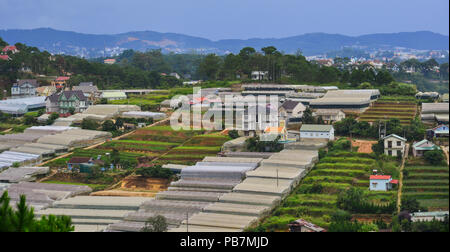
column 162, row 134
column 149, row 148
column 315, row 198
column 195, row 149
column 428, row 184
column 94, row 153
column 384, row 110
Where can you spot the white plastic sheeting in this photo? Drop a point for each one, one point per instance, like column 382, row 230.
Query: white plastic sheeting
column 8, row 158
column 15, row 175
column 22, row 105
column 144, row 114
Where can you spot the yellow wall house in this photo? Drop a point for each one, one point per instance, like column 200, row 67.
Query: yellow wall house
column 46, row 90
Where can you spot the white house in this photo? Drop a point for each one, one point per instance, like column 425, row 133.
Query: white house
column 24, row 88
column 260, row 75
column 429, row 216
column 175, row 75
column 381, row 182
column 317, row 131
column 394, row 145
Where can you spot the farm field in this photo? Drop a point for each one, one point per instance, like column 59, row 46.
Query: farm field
column 195, row 149
column 153, row 99
column 428, row 184
column 382, row 110
column 15, row 128
column 94, row 153
column 315, row 197
column 95, row 187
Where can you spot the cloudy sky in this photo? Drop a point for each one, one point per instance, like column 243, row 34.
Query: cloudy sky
column 223, row 19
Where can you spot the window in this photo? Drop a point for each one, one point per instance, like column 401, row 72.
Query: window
column 399, row 143
column 389, row 152
column 399, row 153
column 389, row 144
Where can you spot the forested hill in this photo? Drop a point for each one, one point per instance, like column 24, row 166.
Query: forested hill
column 91, row 46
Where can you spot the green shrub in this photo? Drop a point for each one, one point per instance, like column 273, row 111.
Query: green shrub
column 154, row 172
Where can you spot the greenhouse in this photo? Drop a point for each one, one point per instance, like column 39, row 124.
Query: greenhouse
column 20, row 174
column 22, row 137
column 198, row 187
column 55, row 148
column 8, row 158
column 42, row 195
column 94, row 213
column 144, row 114
column 21, row 106
column 263, row 155
column 75, row 138
column 359, row 99
column 43, row 153
column 50, row 129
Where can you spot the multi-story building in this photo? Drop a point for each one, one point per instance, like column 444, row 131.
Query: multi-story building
column 394, row 145
column 64, row 102
column 24, row 88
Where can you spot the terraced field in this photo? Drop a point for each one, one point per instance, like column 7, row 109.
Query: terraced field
column 62, row 162
column 428, row 184
column 195, row 149
column 315, row 198
column 405, row 111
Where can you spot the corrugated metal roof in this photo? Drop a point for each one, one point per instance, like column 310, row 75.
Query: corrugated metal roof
column 316, row 127
column 113, row 94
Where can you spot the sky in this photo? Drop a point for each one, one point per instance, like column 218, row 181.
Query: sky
column 226, row 19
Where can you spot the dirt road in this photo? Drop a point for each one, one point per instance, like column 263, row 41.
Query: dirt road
column 400, row 181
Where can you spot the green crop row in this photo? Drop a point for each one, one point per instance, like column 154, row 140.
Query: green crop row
column 429, row 176
column 433, row 188
column 343, row 166
column 419, row 182
column 354, row 160
column 427, row 195
column 339, row 172
column 304, row 210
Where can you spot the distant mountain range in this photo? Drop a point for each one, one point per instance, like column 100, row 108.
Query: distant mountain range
column 90, row 45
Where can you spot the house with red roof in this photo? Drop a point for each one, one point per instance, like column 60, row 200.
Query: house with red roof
column 381, row 182
column 4, row 57
column 10, row 48
column 60, row 82
column 109, row 61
